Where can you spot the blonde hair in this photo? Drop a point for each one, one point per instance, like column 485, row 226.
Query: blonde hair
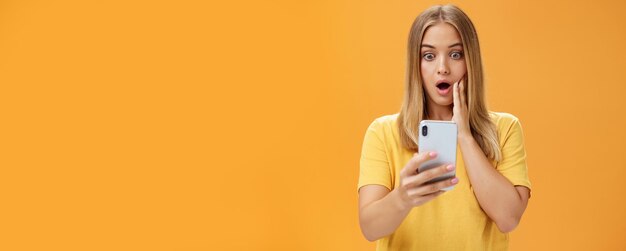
column 414, row 106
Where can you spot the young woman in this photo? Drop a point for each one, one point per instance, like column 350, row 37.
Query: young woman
column 444, row 81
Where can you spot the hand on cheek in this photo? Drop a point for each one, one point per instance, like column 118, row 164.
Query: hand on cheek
column 460, row 114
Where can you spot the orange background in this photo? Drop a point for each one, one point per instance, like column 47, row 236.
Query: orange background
column 154, row 125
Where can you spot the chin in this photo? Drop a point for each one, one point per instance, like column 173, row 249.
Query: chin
column 444, row 102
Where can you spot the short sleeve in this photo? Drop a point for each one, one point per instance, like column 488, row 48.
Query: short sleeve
column 374, row 164
column 513, row 163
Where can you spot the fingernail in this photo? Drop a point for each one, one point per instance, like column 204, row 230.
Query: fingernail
column 450, row 167
column 455, row 180
column 432, row 154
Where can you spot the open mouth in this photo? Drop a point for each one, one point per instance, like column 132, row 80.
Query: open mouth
column 443, row 88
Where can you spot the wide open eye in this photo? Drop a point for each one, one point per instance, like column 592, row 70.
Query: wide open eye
column 456, row 55
column 429, row 56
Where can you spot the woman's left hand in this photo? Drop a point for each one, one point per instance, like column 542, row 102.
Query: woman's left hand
column 459, row 112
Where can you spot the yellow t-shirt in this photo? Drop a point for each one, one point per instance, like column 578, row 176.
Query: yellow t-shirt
column 454, row 220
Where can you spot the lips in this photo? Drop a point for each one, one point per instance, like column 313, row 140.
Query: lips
column 443, row 87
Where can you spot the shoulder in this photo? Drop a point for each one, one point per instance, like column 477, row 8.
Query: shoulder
column 506, row 123
column 386, row 126
column 503, row 119
column 386, row 120
column 384, row 123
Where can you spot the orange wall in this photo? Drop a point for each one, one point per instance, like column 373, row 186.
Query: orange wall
column 238, row 126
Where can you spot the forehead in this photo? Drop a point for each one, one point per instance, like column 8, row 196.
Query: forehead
column 441, row 34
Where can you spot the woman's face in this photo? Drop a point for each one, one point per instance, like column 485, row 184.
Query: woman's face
column 442, row 62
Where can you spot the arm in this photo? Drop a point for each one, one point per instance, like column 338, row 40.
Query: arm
column 382, row 211
column 501, row 201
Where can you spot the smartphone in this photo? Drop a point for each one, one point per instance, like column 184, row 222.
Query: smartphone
column 440, row 137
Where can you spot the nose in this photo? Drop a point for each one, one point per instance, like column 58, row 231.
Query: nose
column 443, row 68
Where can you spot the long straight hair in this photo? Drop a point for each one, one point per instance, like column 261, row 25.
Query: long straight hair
column 414, row 110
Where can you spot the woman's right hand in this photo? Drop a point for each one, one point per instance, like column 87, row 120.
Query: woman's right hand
column 413, row 189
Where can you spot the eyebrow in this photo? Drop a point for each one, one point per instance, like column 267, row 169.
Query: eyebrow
column 430, row 46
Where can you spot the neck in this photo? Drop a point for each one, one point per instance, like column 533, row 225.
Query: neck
column 439, row 112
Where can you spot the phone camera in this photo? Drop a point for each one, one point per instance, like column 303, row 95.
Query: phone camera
column 424, row 130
